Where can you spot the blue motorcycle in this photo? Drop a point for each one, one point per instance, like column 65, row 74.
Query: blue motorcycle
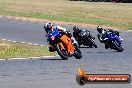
column 113, row 41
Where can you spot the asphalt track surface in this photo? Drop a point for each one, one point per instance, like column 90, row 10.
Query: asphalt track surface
column 54, row 72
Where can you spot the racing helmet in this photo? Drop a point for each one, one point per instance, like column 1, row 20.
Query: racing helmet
column 75, row 29
column 48, row 27
column 99, row 29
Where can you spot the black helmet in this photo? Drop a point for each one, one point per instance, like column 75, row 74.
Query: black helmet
column 99, row 29
column 75, row 29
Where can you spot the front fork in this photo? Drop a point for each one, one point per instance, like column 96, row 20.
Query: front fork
column 119, row 41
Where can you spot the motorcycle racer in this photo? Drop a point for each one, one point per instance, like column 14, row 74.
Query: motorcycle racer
column 83, row 37
column 102, row 34
column 49, row 27
column 76, row 32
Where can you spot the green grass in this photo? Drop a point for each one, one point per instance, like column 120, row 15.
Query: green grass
column 19, row 50
column 116, row 15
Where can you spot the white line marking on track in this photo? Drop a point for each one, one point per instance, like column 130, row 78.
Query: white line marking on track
column 41, row 45
column 36, row 44
column 4, row 39
column 14, row 41
column 129, row 30
column 29, row 43
column 30, row 58
column 22, row 42
column 3, row 59
column 50, row 56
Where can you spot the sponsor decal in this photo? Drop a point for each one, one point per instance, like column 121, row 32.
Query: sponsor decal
column 83, row 78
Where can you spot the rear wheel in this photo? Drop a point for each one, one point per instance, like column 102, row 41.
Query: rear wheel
column 62, row 52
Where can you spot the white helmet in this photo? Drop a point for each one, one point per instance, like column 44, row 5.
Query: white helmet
column 48, row 27
column 99, row 29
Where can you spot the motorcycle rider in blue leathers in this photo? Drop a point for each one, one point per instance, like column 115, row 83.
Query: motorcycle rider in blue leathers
column 49, row 27
column 102, row 34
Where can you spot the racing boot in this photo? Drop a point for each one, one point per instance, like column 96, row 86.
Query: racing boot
column 106, row 46
column 51, row 48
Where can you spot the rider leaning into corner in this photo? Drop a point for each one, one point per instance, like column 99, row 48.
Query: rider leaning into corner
column 102, row 34
column 77, row 31
column 49, row 27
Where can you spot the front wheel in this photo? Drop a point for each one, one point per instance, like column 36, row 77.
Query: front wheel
column 118, row 48
column 77, row 53
column 92, row 42
column 62, row 53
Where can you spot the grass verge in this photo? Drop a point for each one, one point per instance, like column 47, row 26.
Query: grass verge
column 111, row 14
column 10, row 49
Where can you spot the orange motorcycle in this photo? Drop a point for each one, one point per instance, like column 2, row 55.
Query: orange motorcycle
column 63, row 44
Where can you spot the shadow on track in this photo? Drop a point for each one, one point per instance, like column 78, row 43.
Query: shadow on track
column 84, row 47
column 101, row 52
column 88, row 52
column 50, row 59
column 107, row 52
